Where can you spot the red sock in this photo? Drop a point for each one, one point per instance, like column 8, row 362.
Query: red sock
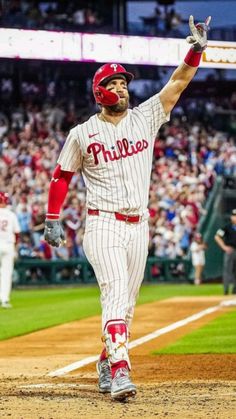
column 117, row 365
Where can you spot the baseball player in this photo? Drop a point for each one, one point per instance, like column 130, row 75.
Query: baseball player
column 225, row 237
column 197, row 249
column 9, row 235
column 113, row 150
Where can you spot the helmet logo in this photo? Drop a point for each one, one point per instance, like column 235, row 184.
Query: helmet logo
column 114, row 66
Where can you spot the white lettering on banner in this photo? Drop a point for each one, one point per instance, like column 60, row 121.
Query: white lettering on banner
column 220, row 54
column 51, row 45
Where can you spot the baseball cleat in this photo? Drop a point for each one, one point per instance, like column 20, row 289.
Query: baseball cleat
column 104, row 374
column 6, row 304
column 121, row 386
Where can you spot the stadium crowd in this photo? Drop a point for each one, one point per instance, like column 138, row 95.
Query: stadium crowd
column 189, row 153
column 53, row 15
column 158, row 18
column 84, row 16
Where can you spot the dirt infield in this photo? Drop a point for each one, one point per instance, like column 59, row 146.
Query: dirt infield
column 175, row 386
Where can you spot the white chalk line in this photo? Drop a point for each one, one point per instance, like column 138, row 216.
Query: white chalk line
column 74, row 366
column 159, row 332
column 58, row 385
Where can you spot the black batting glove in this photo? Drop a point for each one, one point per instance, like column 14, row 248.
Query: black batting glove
column 54, row 233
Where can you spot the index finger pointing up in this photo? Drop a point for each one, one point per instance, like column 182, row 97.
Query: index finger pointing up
column 192, row 25
column 207, row 21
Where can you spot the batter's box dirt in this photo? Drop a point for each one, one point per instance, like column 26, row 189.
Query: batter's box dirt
column 193, row 399
column 175, row 386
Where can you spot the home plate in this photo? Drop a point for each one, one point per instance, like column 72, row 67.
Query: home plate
column 227, row 303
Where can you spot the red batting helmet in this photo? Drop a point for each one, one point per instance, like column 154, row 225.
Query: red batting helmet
column 102, row 76
column 4, row 198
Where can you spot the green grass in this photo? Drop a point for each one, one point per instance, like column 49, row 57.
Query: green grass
column 41, row 308
column 38, row 309
column 149, row 293
column 217, row 337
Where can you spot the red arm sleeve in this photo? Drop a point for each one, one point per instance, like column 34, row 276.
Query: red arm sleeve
column 57, row 192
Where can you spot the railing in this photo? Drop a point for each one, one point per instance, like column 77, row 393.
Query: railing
column 38, row 271
column 167, row 270
column 208, row 225
column 79, row 271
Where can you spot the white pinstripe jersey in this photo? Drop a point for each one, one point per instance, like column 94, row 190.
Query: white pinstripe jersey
column 9, row 225
column 116, row 161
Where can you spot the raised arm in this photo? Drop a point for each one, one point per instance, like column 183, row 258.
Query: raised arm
column 184, row 73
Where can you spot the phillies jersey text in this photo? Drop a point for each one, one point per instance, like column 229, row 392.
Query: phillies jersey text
column 116, row 161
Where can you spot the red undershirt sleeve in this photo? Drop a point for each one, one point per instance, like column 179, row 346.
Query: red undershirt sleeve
column 57, row 192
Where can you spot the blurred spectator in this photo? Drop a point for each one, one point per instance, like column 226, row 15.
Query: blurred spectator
column 52, row 15
column 25, row 248
column 24, row 216
column 62, row 252
column 43, row 250
column 197, row 249
column 173, row 21
column 79, row 241
column 38, row 218
column 162, row 22
column 78, row 17
column 4, row 125
column 71, row 220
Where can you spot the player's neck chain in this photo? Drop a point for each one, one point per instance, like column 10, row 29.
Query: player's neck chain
column 102, row 117
column 114, row 122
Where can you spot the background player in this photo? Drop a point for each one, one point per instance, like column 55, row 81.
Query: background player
column 9, row 234
column 225, row 237
column 113, row 150
column 198, row 248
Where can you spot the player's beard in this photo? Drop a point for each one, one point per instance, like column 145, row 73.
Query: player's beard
column 121, row 106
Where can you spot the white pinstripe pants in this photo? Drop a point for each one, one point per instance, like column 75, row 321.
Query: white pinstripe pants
column 6, row 269
column 117, row 252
